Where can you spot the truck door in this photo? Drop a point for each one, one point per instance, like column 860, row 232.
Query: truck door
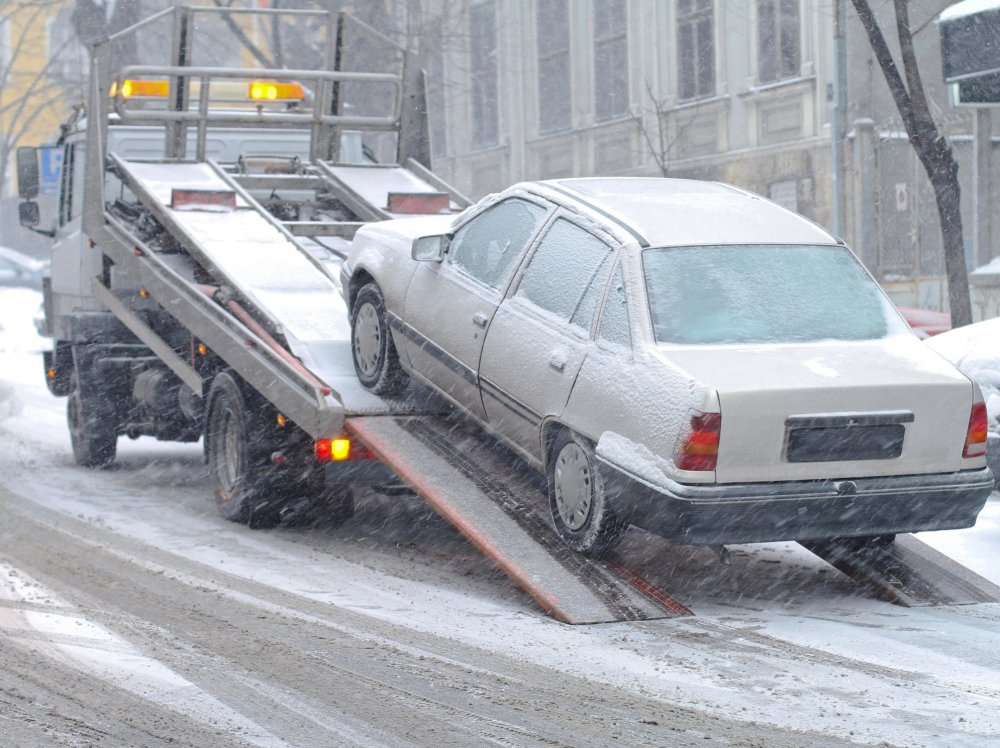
column 73, row 264
column 449, row 305
column 541, row 333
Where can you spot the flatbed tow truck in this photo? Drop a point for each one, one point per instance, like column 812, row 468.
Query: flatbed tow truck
column 193, row 305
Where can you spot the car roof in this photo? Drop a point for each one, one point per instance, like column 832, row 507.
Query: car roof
column 686, row 212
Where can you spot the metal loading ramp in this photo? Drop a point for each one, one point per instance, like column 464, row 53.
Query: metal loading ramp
column 487, row 495
column 247, row 250
column 907, row 572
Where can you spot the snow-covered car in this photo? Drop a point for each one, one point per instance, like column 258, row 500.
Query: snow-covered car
column 17, row 269
column 975, row 350
column 683, row 356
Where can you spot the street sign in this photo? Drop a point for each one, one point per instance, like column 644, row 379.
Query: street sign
column 970, row 39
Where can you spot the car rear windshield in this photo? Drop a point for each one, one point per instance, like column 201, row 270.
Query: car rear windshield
column 763, row 294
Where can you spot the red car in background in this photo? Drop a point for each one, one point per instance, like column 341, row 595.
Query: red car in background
column 926, row 323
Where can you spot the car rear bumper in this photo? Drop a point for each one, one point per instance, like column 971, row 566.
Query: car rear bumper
column 798, row 510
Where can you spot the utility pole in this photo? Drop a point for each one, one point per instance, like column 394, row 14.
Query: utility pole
column 838, row 129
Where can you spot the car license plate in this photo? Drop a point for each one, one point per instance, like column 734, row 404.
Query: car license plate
column 833, row 444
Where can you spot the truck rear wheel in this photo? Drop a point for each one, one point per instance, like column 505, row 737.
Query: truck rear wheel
column 91, row 433
column 237, row 466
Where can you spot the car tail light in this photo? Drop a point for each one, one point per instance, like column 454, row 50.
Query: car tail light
column 975, row 438
column 699, row 449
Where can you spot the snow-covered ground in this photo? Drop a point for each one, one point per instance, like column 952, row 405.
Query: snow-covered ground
column 779, row 637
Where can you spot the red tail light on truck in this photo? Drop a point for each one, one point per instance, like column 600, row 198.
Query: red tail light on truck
column 338, row 450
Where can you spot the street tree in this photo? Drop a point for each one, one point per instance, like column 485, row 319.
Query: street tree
column 35, row 90
column 930, row 145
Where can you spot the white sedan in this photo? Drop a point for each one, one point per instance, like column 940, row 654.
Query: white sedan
column 683, row 356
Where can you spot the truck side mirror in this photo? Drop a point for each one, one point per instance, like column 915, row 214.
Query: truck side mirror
column 429, row 248
column 27, row 212
column 27, row 174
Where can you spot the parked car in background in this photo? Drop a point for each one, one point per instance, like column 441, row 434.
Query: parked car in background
column 17, row 269
column 975, row 350
column 926, row 323
column 684, row 356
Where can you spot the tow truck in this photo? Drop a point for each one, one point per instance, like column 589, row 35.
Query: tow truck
column 194, row 295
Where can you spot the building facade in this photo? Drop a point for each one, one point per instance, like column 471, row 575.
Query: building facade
column 737, row 92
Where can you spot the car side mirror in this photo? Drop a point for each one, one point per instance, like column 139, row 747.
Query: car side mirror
column 27, row 213
column 429, row 248
column 27, row 173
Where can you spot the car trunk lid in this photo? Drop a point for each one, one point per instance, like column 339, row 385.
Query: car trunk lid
column 832, row 409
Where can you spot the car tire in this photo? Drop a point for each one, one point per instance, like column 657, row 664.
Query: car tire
column 376, row 360
column 238, row 467
column 91, row 433
column 581, row 512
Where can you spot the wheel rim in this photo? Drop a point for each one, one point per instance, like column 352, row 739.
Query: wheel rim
column 232, row 452
column 367, row 340
column 75, row 427
column 573, row 483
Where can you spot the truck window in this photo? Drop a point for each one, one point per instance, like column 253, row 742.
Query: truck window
column 71, row 183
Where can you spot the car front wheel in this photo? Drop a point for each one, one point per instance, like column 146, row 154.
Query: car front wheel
column 375, row 358
column 581, row 512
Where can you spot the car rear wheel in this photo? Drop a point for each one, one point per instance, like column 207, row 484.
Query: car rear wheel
column 376, row 360
column 582, row 515
column 237, row 466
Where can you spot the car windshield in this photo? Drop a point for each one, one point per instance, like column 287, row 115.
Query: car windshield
column 763, row 294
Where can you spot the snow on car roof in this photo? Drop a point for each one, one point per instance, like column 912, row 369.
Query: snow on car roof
column 684, row 212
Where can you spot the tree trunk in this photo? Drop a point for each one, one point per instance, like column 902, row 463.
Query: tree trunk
column 930, row 146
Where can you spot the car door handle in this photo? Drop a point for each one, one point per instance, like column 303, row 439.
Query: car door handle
column 557, row 361
column 480, row 319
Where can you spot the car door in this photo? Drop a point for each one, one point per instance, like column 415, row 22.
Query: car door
column 541, row 333
column 449, row 305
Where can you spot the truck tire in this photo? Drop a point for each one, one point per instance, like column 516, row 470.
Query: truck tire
column 335, row 505
column 376, row 360
column 91, row 430
column 238, row 467
column 582, row 515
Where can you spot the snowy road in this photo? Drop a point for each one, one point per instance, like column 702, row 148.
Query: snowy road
column 131, row 615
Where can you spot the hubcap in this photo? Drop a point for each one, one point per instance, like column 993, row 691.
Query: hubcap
column 574, row 489
column 367, row 340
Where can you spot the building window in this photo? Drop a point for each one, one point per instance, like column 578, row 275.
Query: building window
column 483, row 47
column 610, row 59
column 554, row 99
column 436, row 104
column 778, row 41
column 695, row 49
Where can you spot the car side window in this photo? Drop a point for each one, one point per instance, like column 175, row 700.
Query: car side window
column 586, row 308
column 564, row 272
column 489, row 246
column 614, row 322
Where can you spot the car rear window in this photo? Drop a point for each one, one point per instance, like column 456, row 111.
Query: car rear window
column 763, row 294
